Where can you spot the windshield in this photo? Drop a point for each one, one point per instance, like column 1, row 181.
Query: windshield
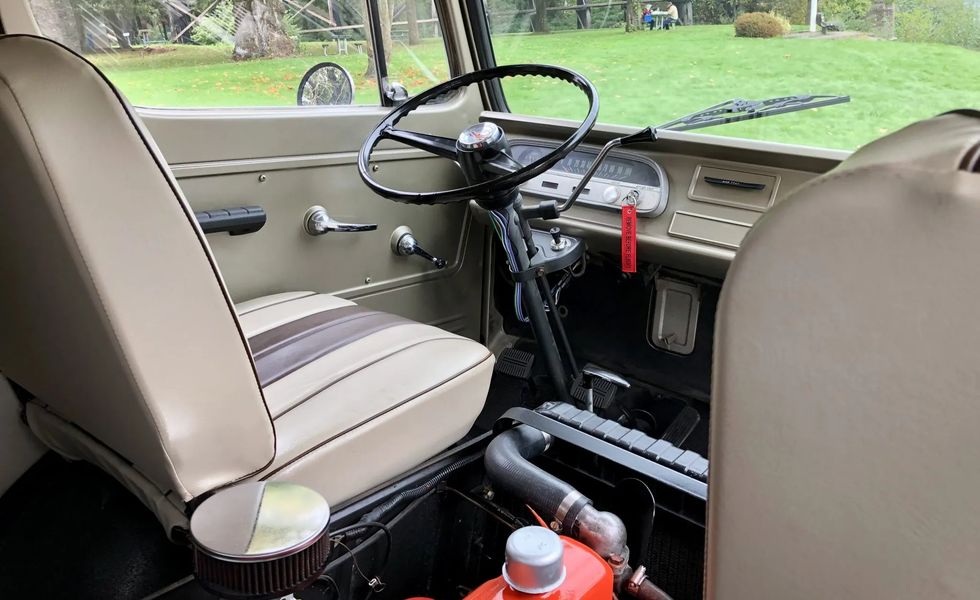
column 898, row 62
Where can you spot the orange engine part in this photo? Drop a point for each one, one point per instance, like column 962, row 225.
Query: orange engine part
column 587, row 577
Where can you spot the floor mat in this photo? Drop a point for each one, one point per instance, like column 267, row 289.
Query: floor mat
column 71, row 531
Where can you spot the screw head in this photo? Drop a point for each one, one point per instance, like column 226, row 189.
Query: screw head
column 555, row 526
column 375, row 168
column 367, row 279
column 263, row 177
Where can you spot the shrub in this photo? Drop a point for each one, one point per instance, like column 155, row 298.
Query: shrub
column 760, row 25
column 952, row 22
column 796, row 11
column 218, row 27
column 852, row 13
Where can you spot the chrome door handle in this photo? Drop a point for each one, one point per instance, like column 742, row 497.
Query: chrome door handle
column 318, row 222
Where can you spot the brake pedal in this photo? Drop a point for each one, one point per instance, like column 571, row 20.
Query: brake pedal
column 603, row 393
column 516, row 363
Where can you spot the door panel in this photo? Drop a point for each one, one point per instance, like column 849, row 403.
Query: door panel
column 360, row 266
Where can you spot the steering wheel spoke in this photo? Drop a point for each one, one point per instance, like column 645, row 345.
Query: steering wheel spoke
column 433, row 144
column 503, row 164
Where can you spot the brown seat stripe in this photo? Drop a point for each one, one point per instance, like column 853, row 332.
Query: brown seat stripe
column 284, row 349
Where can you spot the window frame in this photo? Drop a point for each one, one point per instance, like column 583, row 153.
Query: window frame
column 21, row 15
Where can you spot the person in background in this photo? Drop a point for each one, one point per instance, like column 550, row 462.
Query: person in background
column 671, row 17
column 648, row 16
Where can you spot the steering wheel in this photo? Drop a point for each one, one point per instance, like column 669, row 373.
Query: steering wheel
column 484, row 141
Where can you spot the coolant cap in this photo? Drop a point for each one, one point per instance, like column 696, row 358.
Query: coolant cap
column 533, row 562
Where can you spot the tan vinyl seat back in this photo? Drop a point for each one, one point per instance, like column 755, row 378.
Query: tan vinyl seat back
column 113, row 312
column 846, row 407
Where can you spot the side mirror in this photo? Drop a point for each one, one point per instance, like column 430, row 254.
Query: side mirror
column 326, row 84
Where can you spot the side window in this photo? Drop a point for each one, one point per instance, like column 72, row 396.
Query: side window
column 250, row 53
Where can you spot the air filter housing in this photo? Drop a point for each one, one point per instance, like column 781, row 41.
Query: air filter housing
column 260, row 540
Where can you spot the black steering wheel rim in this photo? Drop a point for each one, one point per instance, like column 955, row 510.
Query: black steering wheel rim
column 502, row 184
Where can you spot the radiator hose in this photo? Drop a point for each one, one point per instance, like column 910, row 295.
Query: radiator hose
column 509, row 468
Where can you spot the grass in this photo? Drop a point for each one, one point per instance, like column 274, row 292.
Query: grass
column 643, row 78
column 205, row 76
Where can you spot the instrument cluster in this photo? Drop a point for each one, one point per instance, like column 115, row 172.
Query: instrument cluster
column 619, row 174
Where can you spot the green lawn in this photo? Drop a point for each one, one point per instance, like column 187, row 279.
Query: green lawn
column 205, row 76
column 643, row 78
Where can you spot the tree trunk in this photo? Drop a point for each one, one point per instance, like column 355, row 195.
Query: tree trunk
column 540, row 16
column 411, row 14
column 57, row 20
column 385, row 18
column 584, row 15
column 261, row 31
column 632, row 16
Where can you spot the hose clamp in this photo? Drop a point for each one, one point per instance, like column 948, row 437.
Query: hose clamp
column 636, row 580
column 566, row 505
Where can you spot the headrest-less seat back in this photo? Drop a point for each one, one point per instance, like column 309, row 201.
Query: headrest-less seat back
column 113, row 312
column 846, row 399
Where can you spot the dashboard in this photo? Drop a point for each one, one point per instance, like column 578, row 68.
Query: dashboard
column 698, row 200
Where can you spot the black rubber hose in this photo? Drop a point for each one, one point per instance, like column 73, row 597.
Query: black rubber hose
column 508, row 467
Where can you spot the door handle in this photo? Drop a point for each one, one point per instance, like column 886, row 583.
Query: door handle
column 318, row 222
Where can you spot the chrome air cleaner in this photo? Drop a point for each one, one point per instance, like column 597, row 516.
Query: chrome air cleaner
column 260, row 540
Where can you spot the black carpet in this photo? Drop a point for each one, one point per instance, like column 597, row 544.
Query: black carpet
column 68, row 530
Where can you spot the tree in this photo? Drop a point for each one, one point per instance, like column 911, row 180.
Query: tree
column 384, row 16
column 411, row 15
column 541, row 16
column 261, row 30
column 632, row 16
column 57, row 20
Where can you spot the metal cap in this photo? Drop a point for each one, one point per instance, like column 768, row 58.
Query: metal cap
column 259, row 521
column 533, row 562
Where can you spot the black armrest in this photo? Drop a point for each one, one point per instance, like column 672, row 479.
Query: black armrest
column 237, row 220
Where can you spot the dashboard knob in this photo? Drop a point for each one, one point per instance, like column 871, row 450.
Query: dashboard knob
column 558, row 242
column 611, row 195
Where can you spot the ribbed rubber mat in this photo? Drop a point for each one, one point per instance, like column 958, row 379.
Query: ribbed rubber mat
column 516, row 363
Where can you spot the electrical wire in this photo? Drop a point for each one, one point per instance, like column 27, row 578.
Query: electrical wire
column 328, row 579
column 365, row 525
column 499, row 221
column 374, row 583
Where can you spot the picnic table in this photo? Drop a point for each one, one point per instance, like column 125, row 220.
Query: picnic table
column 658, row 18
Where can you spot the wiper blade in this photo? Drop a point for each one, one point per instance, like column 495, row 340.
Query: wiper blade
column 735, row 110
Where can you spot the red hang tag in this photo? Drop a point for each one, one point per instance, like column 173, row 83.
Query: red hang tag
column 629, row 238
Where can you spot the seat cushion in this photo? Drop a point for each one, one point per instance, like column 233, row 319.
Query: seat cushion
column 359, row 396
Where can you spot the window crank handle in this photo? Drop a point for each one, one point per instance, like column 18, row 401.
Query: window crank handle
column 403, row 243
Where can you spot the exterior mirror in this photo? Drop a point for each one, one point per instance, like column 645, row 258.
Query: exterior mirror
column 326, row 84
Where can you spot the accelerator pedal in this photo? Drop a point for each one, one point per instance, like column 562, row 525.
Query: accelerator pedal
column 682, row 426
column 516, row 363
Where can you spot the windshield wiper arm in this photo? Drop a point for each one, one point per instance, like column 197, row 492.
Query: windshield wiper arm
column 735, row 110
column 730, row 111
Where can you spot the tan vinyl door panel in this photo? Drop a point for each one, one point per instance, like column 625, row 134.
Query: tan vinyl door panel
column 287, row 160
